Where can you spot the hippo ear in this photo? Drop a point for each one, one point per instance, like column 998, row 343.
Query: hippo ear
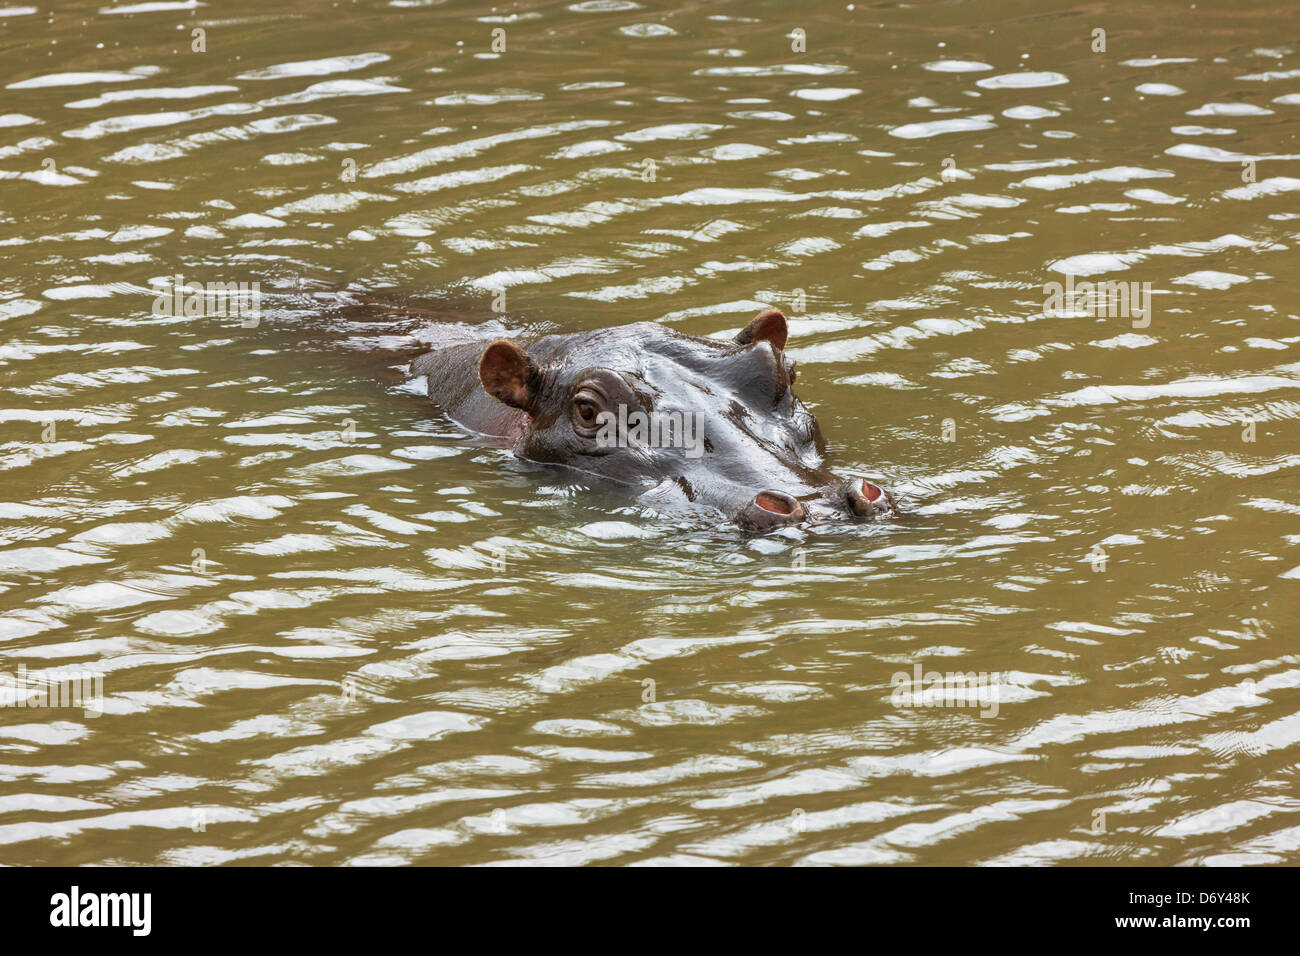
column 769, row 326
column 509, row 375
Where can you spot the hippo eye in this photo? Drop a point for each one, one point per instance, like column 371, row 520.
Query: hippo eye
column 586, row 411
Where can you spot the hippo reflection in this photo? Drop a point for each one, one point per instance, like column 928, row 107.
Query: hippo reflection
column 672, row 415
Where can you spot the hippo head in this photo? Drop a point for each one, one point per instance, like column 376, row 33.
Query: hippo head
column 651, row 407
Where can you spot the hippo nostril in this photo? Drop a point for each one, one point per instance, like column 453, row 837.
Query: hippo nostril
column 866, row 499
column 768, row 509
column 776, row 503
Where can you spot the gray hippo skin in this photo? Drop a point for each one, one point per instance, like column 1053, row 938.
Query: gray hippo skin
column 733, row 438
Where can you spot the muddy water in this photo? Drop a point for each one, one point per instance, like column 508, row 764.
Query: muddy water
column 331, row 630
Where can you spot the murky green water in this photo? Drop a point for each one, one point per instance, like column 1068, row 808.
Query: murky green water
column 331, row 630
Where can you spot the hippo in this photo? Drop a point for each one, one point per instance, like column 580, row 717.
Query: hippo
column 713, row 423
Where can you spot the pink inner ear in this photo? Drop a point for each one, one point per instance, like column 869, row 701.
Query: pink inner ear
column 770, row 326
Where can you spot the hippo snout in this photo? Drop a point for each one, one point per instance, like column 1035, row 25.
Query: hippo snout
column 770, row 509
column 855, row 498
